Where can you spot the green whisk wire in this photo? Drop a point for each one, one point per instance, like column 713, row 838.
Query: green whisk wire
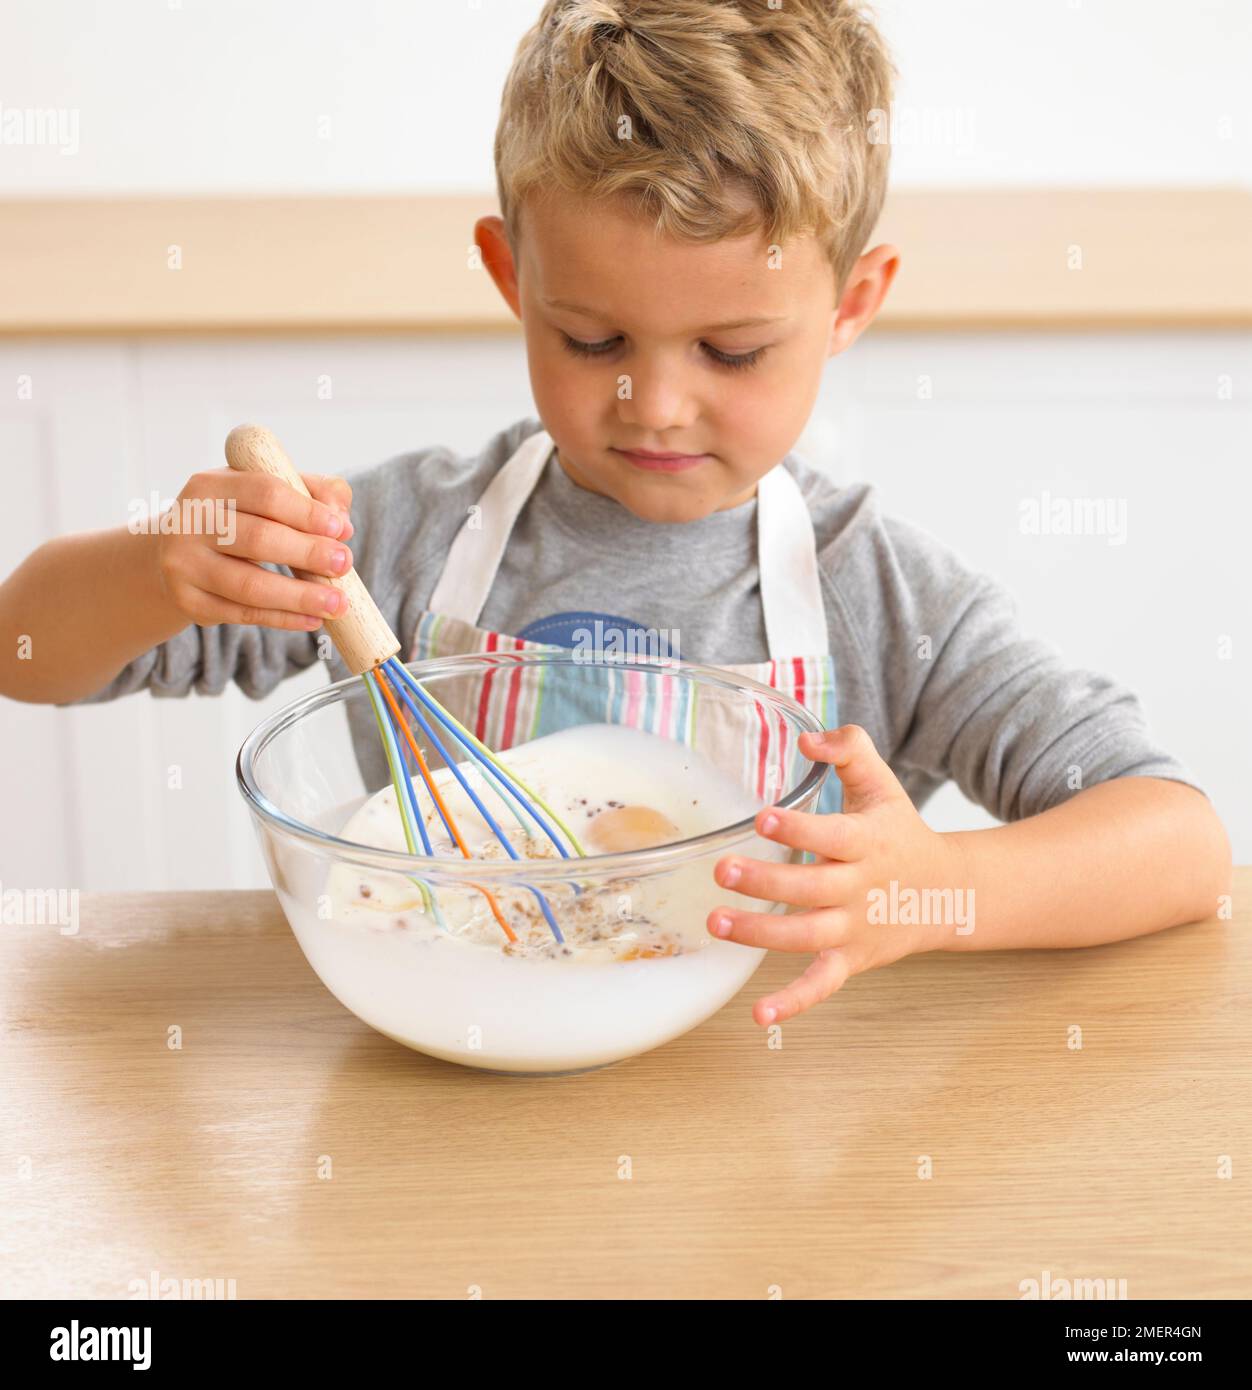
column 506, row 775
column 397, row 774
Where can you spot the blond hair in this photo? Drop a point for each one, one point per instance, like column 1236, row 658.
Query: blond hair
column 710, row 117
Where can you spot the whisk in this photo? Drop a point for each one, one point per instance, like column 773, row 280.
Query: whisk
column 369, row 649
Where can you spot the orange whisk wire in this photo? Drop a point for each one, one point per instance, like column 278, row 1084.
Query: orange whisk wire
column 401, row 724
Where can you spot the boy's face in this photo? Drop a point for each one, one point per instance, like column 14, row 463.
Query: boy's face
column 701, row 350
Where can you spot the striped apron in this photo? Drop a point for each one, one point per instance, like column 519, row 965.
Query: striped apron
column 508, row 707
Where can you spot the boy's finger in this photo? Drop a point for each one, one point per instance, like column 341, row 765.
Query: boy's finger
column 833, row 836
column 267, row 617
column 801, row 885
column 866, row 777
column 208, row 609
column 334, row 491
column 259, row 538
column 260, row 590
column 826, row 973
column 796, row 931
column 329, row 488
column 263, row 495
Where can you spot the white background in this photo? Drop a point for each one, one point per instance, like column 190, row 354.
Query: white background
column 230, row 95
column 208, row 98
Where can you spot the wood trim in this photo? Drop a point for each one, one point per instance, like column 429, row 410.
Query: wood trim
column 1151, row 258
column 973, row 259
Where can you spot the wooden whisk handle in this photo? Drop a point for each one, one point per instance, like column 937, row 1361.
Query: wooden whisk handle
column 361, row 636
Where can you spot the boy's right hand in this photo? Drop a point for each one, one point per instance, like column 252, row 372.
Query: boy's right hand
column 208, row 571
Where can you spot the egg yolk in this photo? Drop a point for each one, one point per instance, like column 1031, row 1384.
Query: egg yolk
column 630, row 827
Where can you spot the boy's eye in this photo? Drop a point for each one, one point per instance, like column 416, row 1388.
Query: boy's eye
column 582, row 349
column 734, row 361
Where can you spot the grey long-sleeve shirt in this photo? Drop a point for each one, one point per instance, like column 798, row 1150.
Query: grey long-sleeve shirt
column 996, row 711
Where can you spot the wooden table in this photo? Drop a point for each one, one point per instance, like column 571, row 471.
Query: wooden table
column 751, row 1168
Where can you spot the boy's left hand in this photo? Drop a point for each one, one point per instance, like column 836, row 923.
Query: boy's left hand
column 877, row 838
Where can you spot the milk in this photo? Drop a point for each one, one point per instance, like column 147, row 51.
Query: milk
column 637, row 966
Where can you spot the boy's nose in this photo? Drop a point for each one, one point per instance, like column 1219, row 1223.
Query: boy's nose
column 657, row 400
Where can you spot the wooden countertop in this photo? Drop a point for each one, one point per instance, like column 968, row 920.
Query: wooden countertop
column 793, row 1168
column 977, row 258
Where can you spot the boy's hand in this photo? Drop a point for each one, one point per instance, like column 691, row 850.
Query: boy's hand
column 207, row 571
column 877, row 838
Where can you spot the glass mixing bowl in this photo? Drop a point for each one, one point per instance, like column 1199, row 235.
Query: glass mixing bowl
column 305, row 772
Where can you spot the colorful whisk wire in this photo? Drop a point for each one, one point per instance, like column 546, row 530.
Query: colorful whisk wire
column 401, row 705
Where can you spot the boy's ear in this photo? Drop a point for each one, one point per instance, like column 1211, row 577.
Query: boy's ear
column 863, row 295
column 493, row 245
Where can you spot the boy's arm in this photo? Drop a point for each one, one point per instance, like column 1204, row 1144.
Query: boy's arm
column 96, row 627
column 1121, row 859
column 1107, row 836
column 77, row 610
column 215, row 573
column 1118, row 860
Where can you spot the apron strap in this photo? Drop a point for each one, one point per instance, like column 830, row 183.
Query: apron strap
column 791, row 588
column 475, row 554
column 791, row 585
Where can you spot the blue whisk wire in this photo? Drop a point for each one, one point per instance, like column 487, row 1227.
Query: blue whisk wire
column 455, row 770
column 386, row 713
column 518, row 791
column 410, row 815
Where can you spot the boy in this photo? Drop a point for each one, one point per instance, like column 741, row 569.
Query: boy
column 686, row 192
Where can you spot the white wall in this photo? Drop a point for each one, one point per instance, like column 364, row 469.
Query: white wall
column 955, row 430
column 199, row 96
